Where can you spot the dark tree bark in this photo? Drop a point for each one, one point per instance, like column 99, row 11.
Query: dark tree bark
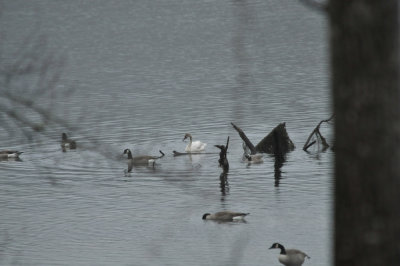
column 365, row 81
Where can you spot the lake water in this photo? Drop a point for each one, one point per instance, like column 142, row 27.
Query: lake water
column 139, row 75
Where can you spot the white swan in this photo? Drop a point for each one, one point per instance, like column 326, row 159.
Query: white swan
column 194, row 146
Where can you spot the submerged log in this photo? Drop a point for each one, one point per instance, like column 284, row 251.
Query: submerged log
column 277, row 142
column 177, row 153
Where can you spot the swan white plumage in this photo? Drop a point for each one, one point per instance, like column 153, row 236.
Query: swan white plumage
column 194, row 146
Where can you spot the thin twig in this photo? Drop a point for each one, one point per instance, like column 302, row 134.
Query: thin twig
column 317, row 134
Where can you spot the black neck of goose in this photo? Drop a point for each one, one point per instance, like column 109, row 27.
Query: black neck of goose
column 283, row 250
column 129, row 154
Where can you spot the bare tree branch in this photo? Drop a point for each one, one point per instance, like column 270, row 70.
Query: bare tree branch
column 316, row 133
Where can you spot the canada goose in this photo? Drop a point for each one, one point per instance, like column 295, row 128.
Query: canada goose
column 224, row 216
column 194, row 146
column 253, row 158
column 141, row 160
column 290, row 257
column 9, row 154
column 67, row 143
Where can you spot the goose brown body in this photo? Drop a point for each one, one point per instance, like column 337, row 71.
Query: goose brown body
column 9, row 154
column 290, row 257
column 224, row 215
column 67, row 143
column 141, row 159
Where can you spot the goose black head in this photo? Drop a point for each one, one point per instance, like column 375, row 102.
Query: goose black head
column 128, row 151
column 64, row 136
column 205, row 216
column 276, row 245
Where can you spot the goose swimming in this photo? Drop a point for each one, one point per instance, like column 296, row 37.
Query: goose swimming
column 9, row 154
column 224, row 216
column 194, row 146
column 290, row 257
column 67, row 143
column 141, row 159
column 254, row 158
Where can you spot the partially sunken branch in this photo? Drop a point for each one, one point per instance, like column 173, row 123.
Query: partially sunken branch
column 223, row 160
column 245, row 139
column 318, row 136
column 276, row 142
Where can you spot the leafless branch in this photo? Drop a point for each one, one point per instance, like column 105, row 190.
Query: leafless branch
column 317, row 134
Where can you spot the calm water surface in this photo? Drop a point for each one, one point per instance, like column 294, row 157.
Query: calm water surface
column 140, row 75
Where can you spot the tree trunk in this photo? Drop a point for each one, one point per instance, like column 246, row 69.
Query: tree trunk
column 365, row 82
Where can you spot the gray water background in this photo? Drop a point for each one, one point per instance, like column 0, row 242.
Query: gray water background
column 139, row 75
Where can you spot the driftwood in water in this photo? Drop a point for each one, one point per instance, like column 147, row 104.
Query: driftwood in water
column 318, row 136
column 245, row 139
column 276, row 142
column 177, row 153
column 223, row 161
